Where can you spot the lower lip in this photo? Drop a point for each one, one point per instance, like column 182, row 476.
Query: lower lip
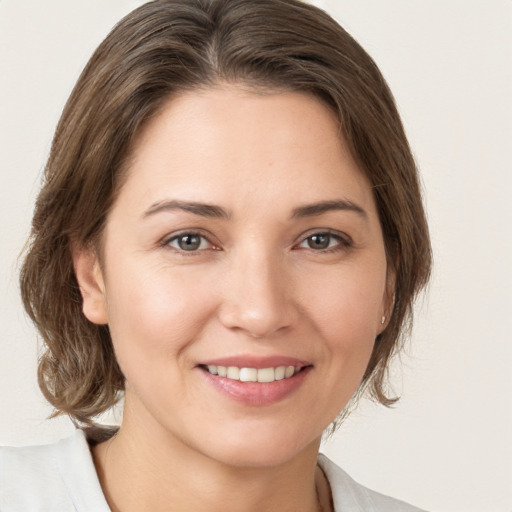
column 257, row 393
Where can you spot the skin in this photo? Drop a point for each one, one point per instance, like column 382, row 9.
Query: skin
column 257, row 285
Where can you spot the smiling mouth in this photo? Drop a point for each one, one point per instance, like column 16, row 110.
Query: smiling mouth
column 262, row 375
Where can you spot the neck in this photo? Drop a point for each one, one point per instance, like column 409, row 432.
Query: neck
column 148, row 469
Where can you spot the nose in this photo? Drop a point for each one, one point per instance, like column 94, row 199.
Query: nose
column 259, row 297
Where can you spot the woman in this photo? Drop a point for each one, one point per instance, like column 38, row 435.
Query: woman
column 230, row 236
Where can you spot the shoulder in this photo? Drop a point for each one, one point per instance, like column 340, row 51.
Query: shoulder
column 58, row 476
column 350, row 496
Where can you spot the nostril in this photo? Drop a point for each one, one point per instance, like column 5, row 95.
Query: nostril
column 256, row 323
column 257, row 298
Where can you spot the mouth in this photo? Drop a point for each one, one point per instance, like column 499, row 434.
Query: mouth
column 256, row 381
column 248, row 374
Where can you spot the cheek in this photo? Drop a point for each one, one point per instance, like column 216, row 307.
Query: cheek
column 348, row 302
column 345, row 309
column 154, row 312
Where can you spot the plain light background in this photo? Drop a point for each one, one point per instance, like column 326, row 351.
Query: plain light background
column 447, row 445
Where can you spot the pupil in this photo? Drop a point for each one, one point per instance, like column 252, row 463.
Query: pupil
column 189, row 242
column 319, row 241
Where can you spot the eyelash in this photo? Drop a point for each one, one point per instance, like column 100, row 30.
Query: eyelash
column 343, row 242
column 190, row 234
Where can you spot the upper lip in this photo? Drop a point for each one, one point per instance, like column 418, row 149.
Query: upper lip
column 247, row 361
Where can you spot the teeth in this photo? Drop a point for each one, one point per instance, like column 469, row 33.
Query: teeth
column 233, row 373
column 254, row 374
column 290, row 370
column 248, row 374
column 266, row 375
column 280, row 372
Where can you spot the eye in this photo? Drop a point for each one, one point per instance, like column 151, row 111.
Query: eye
column 324, row 241
column 189, row 242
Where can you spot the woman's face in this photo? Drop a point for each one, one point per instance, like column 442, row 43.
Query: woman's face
column 244, row 244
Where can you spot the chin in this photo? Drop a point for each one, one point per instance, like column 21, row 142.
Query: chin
column 258, row 449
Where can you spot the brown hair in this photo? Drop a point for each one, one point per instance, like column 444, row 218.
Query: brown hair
column 156, row 51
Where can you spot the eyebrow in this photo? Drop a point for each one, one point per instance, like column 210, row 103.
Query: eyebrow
column 217, row 212
column 202, row 209
column 310, row 210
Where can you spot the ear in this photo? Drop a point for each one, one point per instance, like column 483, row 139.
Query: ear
column 92, row 286
column 388, row 301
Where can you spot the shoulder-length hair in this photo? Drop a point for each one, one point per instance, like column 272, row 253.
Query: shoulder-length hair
column 169, row 46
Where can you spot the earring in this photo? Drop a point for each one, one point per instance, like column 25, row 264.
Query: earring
column 383, row 319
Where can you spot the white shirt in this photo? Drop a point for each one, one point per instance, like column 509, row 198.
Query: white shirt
column 61, row 477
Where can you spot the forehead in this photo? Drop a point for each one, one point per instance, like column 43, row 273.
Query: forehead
column 227, row 144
